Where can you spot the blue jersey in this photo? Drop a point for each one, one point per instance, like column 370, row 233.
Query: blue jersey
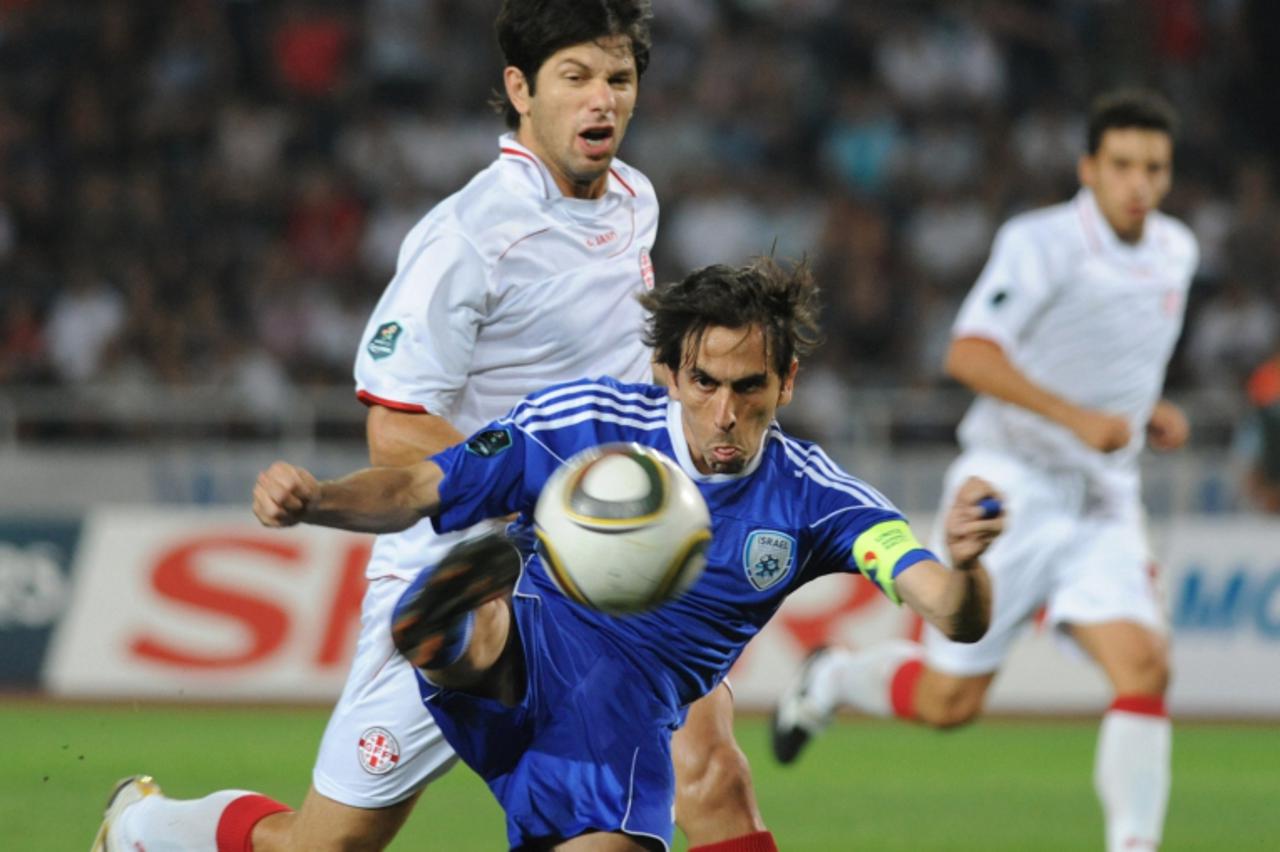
column 793, row 515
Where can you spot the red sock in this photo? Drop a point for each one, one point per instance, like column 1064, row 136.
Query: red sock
column 1143, row 705
column 760, row 841
column 235, row 826
column 902, row 689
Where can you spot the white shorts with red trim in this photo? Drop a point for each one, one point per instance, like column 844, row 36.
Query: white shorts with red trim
column 1060, row 551
column 381, row 745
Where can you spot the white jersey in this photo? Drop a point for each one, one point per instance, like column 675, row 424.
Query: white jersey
column 1086, row 316
column 503, row 288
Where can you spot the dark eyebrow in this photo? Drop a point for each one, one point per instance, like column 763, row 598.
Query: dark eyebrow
column 749, row 382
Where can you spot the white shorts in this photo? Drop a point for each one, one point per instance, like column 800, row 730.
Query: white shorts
column 1084, row 565
column 381, row 745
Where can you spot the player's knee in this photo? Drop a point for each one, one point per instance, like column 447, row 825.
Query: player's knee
column 719, row 780
column 1147, row 672
column 951, row 705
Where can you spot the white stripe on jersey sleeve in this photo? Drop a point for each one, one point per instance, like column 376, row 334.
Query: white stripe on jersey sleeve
column 586, row 387
column 525, row 415
column 590, row 414
column 815, row 464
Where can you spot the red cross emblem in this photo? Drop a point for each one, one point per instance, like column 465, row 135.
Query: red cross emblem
column 378, row 751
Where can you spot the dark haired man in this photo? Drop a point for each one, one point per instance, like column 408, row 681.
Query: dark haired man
column 566, row 712
column 1065, row 337
column 525, row 277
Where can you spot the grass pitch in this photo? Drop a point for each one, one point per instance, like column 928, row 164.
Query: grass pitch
column 999, row 785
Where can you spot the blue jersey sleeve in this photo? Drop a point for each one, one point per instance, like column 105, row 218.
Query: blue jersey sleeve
column 495, row 472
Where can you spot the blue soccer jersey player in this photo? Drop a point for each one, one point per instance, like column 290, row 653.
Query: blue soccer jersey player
column 567, row 713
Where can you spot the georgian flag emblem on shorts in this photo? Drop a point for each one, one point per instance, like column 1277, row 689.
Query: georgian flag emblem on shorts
column 767, row 557
column 378, row 751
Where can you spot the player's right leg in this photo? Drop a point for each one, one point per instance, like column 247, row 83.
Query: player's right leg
column 888, row 679
column 937, row 682
column 715, row 799
column 380, row 749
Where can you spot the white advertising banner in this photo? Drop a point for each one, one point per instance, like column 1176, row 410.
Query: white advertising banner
column 206, row 605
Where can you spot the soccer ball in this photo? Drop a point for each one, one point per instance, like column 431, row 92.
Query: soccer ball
column 621, row 528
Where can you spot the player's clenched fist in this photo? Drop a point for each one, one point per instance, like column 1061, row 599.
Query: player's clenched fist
column 283, row 493
column 975, row 518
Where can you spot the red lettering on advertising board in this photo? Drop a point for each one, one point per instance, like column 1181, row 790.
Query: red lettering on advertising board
column 813, row 629
column 343, row 623
column 177, row 577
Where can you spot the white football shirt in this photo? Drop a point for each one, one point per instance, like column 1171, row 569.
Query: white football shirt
column 503, row 288
column 1085, row 315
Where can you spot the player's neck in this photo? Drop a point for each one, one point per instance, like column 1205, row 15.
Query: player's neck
column 569, row 188
column 1131, row 236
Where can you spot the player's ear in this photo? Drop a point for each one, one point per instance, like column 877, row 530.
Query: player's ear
column 517, row 86
column 1086, row 170
column 788, row 384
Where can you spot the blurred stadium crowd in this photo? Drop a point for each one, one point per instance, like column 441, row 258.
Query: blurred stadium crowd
column 212, row 192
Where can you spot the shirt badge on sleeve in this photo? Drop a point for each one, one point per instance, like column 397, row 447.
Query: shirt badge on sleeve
column 384, row 340
column 646, row 269
column 489, row 443
column 767, row 557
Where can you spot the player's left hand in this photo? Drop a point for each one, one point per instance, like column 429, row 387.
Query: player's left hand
column 1168, row 428
column 282, row 494
column 971, row 525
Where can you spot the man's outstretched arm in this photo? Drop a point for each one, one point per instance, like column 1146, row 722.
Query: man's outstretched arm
column 376, row 499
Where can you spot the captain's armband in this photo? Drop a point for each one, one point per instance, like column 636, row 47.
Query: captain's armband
column 878, row 551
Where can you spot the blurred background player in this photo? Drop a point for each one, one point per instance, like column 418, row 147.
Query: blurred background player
column 568, row 718
column 1261, row 435
column 526, row 276
column 1065, row 337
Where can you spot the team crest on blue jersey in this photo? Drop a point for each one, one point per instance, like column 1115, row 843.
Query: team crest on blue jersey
column 489, row 443
column 768, row 557
column 384, row 340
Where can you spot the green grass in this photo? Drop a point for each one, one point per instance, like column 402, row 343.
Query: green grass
column 1000, row 785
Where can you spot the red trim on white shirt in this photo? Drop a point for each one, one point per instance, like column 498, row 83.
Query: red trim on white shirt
column 625, row 185
column 516, row 153
column 372, row 400
column 1090, row 232
column 522, row 239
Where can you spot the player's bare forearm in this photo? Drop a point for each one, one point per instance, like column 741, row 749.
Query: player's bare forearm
column 399, row 438
column 983, row 367
column 377, row 499
column 956, row 601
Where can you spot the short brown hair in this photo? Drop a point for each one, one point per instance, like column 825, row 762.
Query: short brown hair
column 782, row 301
column 1126, row 108
column 529, row 31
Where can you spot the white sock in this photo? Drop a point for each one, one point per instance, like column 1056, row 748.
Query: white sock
column 1131, row 774
column 859, row 679
column 161, row 824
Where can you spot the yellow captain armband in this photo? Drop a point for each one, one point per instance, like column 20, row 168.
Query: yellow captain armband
column 876, row 553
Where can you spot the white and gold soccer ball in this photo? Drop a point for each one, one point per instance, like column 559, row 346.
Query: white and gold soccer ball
column 621, row 528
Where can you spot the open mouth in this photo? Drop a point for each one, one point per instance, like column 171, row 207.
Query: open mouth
column 596, row 139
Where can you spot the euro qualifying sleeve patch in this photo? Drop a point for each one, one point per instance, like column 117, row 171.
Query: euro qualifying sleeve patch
column 383, row 342
column 489, row 443
column 876, row 553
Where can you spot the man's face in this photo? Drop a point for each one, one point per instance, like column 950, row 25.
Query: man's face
column 576, row 117
column 729, row 396
column 1130, row 175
